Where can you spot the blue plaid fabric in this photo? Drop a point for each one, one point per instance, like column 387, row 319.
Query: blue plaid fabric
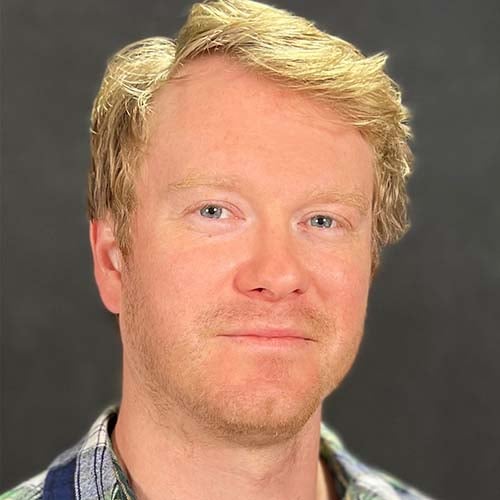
column 90, row 470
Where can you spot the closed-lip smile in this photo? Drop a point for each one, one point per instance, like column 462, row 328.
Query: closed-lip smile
column 268, row 333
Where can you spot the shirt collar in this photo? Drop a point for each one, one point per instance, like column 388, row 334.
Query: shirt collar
column 98, row 472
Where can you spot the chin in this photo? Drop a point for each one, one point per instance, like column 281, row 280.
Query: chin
column 256, row 415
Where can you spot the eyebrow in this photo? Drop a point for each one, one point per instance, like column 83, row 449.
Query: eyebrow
column 231, row 183
column 355, row 199
column 202, row 180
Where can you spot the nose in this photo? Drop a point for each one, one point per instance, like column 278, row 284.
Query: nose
column 273, row 268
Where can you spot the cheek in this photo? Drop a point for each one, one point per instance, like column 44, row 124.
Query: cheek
column 345, row 278
column 184, row 278
column 343, row 287
column 344, row 293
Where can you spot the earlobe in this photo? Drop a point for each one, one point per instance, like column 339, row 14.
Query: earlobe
column 107, row 263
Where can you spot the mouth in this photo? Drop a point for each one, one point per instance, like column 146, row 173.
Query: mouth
column 263, row 335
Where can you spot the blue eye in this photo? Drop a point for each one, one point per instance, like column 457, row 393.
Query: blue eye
column 216, row 212
column 211, row 211
column 323, row 221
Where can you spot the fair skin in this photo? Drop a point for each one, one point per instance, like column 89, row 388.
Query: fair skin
column 213, row 406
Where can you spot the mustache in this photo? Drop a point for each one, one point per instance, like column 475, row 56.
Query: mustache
column 313, row 323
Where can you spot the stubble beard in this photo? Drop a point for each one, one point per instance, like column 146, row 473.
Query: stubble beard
column 180, row 388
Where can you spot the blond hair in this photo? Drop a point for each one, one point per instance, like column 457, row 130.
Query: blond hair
column 286, row 48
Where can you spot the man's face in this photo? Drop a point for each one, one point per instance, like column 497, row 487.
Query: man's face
column 253, row 221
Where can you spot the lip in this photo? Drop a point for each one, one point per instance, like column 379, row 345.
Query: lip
column 268, row 334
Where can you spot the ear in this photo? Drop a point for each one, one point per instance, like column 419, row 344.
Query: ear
column 107, row 263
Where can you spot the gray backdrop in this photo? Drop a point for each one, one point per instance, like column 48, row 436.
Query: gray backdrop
column 422, row 400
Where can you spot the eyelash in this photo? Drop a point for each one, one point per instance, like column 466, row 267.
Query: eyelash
column 336, row 224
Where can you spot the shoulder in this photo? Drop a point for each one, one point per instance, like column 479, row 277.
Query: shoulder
column 32, row 489
column 383, row 486
column 82, row 463
column 56, row 481
column 358, row 480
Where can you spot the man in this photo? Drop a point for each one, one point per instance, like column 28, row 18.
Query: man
column 244, row 179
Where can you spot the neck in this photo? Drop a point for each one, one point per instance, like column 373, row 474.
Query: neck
column 172, row 456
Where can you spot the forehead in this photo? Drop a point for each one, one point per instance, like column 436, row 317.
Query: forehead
column 215, row 112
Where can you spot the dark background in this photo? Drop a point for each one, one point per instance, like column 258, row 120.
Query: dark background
column 422, row 400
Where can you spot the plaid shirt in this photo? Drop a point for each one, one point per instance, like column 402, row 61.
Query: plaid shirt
column 90, row 470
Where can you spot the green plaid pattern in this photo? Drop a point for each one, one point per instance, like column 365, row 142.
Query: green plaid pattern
column 98, row 474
